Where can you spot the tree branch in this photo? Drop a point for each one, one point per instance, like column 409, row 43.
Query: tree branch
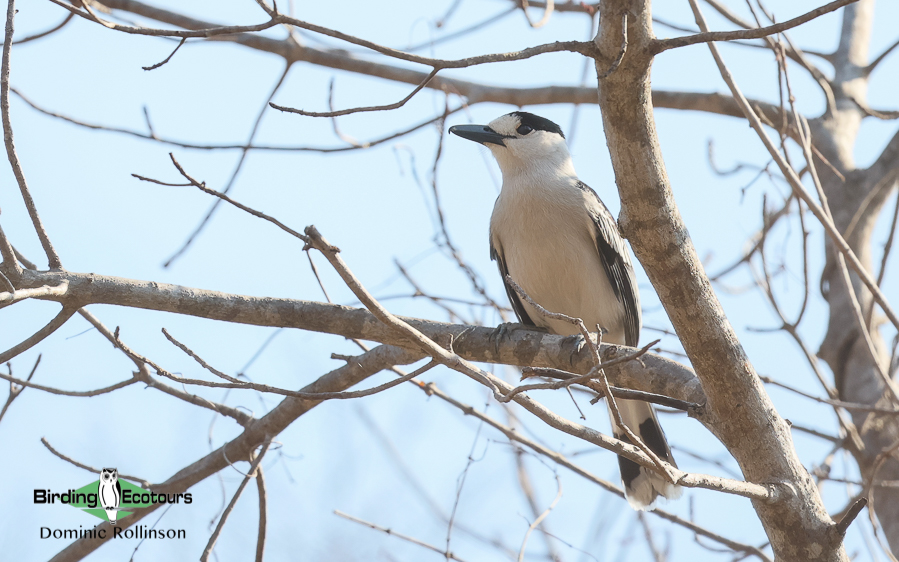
column 241, row 447
column 653, row 373
column 52, row 257
column 755, row 33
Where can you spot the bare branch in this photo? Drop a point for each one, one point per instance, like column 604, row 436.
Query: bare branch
column 15, row 385
column 448, row 555
column 40, row 335
column 880, row 58
column 144, row 483
column 45, row 33
column 153, row 137
column 9, row 298
column 653, row 373
column 52, row 257
column 241, row 447
column 340, row 112
column 240, row 162
column 207, row 33
column 263, row 516
column 432, row 390
column 756, row 33
column 251, row 473
column 851, row 514
column 547, row 13
column 60, row 392
column 536, row 522
column 168, row 58
column 767, row 493
column 839, row 242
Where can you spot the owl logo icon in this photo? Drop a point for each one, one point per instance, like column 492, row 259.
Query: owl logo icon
column 110, row 492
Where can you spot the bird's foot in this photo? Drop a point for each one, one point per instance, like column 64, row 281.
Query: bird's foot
column 574, row 343
column 506, row 328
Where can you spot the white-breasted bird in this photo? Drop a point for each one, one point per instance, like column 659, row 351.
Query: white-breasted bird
column 556, row 239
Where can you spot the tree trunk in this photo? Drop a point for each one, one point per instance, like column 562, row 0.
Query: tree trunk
column 856, row 204
column 746, row 422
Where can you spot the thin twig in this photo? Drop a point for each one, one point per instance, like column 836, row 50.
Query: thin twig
column 565, row 382
column 548, row 8
column 538, row 520
column 839, row 242
column 880, row 58
column 207, row 33
column 431, row 389
column 263, row 516
column 245, row 385
column 168, row 58
column 41, row 34
column 224, row 517
column 391, row 532
column 153, row 137
column 231, row 181
column 145, row 484
column 59, row 392
column 202, row 187
column 340, row 112
column 15, row 388
column 40, row 335
column 617, row 392
column 660, row 465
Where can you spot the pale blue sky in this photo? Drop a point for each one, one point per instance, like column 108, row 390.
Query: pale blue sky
column 370, row 205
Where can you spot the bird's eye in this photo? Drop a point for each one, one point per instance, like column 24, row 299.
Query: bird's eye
column 524, row 129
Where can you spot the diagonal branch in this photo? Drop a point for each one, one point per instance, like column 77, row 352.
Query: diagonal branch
column 251, row 473
column 39, row 336
column 241, row 447
column 880, row 58
column 755, row 33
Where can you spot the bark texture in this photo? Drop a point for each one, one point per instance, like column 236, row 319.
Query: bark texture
column 797, row 525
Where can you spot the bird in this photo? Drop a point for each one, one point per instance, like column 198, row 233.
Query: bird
column 552, row 234
column 110, row 492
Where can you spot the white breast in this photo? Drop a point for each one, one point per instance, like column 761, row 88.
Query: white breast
column 547, row 238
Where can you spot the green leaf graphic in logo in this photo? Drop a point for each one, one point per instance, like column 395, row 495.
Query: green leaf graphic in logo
column 132, row 497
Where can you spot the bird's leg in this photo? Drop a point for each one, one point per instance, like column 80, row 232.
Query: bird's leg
column 506, row 328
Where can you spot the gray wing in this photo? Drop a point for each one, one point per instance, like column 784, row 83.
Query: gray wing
column 496, row 254
column 617, row 264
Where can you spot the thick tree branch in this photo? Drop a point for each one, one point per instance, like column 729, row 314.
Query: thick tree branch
column 653, row 373
column 261, row 430
column 474, row 92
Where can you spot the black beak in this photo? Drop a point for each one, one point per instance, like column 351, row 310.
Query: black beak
column 478, row 133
